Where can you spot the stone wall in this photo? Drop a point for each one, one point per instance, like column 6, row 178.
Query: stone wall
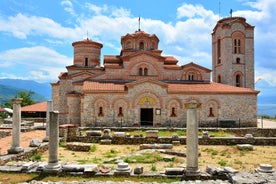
column 5, row 133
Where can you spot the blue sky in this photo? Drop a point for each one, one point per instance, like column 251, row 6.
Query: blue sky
column 36, row 36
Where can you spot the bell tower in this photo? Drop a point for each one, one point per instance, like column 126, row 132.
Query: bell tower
column 233, row 52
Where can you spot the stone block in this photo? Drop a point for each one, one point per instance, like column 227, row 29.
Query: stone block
column 94, row 133
column 176, row 143
column 72, row 168
column 138, row 170
column 91, row 169
column 174, row 171
column 119, row 134
column 245, row 147
column 35, row 143
column 105, row 141
column 28, row 166
column 152, row 134
column 230, row 170
column 156, row 146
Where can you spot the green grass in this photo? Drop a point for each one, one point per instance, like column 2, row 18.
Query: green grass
column 144, row 158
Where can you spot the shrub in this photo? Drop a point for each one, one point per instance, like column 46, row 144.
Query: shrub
column 36, row 157
column 93, row 148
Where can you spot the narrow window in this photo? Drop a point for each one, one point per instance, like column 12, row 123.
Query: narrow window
column 120, row 114
column 86, row 62
column 191, row 77
column 237, row 46
column 140, row 71
column 238, row 60
column 219, row 52
column 173, row 114
column 141, row 45
column 100, row 114
column 238, row 80
column 145, row 71
column 211, row 114
column 219, row 79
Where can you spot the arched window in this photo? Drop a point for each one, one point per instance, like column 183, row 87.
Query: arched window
column 100, row 114
column 237, row 46
column 238, row 80
column 173, row 113
column 140, row 71
column 211, row 113
column 86, row 62
column 191, row 77
column 145, row 71
column 219, row 79
column 238, row 60
column 141, row 45
column 120, row 114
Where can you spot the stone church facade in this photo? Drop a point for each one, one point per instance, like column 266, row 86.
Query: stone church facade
column 141, row 87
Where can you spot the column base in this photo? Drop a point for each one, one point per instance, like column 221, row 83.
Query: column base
column 192, row 172
column 15, row 150
column 53, row 168
column 45, row 139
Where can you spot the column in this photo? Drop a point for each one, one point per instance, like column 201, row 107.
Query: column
column 49, row 109
column 16, row 127
column 192, row 140
column 53, row 164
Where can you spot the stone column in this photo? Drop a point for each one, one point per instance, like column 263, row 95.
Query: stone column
column 53, row 164
column 49, row 109
column 192, row 140
column 16, row 127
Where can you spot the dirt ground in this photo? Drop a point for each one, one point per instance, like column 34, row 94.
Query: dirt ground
column 25, row 138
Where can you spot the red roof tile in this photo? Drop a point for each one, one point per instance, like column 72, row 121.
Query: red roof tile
column 89, row 86
column 38, row 107
column 208, row 88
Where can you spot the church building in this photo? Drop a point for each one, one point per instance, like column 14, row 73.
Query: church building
column 142, row 87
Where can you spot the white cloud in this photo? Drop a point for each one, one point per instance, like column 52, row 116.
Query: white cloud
column 22, row 26
column 35, row 63
column 267, row 75
column 68, row 6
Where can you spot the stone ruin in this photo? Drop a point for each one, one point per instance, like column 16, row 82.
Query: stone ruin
column 264, row 173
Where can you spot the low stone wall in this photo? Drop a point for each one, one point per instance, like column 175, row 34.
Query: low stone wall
column 182, row 140
column 28, row 153
column 5, row 133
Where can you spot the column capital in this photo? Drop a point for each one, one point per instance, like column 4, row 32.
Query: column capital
column 16, row 100
column 192, row 105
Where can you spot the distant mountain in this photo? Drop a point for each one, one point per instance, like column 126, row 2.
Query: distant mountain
column 10, row 87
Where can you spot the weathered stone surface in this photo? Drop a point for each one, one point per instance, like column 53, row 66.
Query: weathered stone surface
column 176, row 143
column 245, row 147
column 35, row 143
column 28, row 166
column 249, row 136
column 230, row 170
column 91, row 168
column 174, row 171
column 105, row 141
column 94, row 133
column 73, row 168
column 265, row 168
column 152, row 134
column 175, row 136
column 205, row 135
column 119, row 134
column 78, row 146
column 156, row 146
column 107, row 134
column 138, row 170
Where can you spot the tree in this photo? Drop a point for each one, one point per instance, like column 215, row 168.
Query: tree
column 26, row 96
